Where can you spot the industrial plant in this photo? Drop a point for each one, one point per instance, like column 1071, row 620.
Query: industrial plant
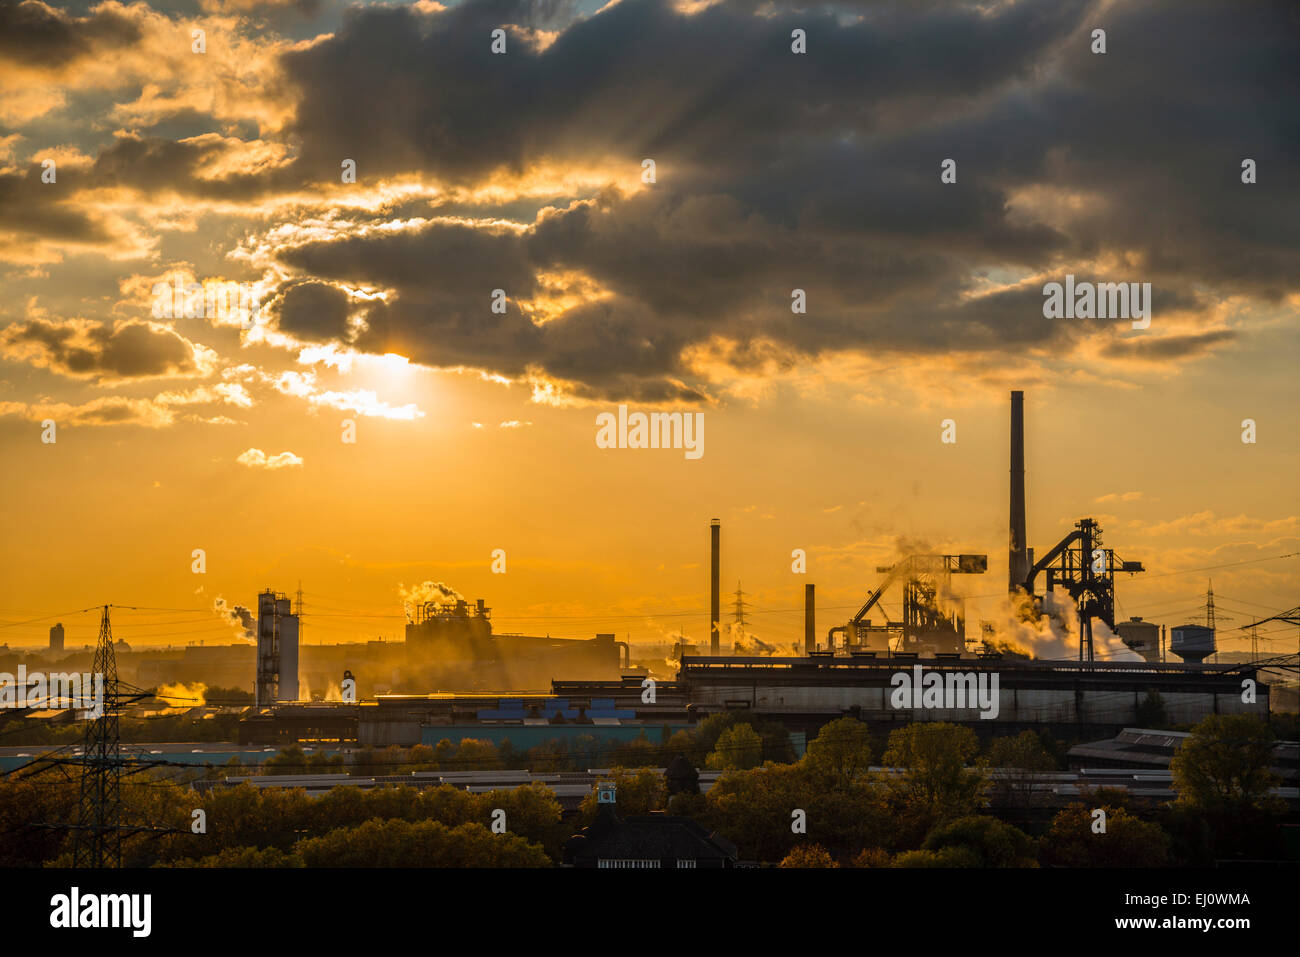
column 458, row 679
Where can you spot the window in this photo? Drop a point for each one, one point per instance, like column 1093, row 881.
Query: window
column 684, row 863
column 628, row 862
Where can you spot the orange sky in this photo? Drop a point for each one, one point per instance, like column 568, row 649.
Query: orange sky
column 476, row 431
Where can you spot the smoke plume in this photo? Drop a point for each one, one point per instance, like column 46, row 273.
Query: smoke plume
column 181, row 695
column 417, row 595
column 1054, row 635
column 237, row 616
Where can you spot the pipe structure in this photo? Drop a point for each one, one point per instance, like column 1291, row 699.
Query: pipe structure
column 715, row 534
column 809, row 620
column 1018, row 557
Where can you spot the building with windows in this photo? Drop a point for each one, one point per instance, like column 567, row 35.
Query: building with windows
column 646, row 841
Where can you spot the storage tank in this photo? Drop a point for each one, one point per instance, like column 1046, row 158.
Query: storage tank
column 1193, row 643
column 288, row 634
column 1140, row 636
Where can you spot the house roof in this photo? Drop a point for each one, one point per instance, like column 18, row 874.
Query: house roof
column 646, row 836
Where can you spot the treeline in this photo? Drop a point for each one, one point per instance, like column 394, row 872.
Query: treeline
column 937, row 805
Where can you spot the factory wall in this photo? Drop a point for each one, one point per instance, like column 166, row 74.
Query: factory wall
column 523, row 737
column 1067, row 705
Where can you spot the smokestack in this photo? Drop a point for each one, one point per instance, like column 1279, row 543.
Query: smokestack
column 809, row 620
column 1018, row 564
column 715, row 533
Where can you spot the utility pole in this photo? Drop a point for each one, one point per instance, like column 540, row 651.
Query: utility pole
column 738, row 616
column 98, row 838
column 1210, row 617
column 298, row 613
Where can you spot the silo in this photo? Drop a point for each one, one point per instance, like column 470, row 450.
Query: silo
column 287, row 628
column 1141, row 636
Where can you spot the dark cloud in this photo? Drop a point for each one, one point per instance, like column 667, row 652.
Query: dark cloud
column 126, row 350
column 311, row 310
column 775, row 172
column 156, row 166
column 1168, row 347
column 819, row 172
column 35, row 34
column 396, row 89
column 33, row 208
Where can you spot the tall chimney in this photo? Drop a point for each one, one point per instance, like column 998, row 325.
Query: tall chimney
column 715, row 533
column 809, row 620
column 1018, row 563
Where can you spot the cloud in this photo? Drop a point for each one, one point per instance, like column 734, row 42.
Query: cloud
column 1208, row 523
column 774, row 172
column 257, row 459
column 311, row 311
column 126, row 350
column 34, row 34
column 1118, row 497
column 156, row 412
column 845, row 202
column 304, row 385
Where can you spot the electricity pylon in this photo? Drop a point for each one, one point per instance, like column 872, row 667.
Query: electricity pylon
column 97, row 841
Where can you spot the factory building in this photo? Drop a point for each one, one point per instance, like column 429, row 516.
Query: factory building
column 805, row 693
column 452, row 645
column 858, row 671
column 1070, row 699
column 277, row 650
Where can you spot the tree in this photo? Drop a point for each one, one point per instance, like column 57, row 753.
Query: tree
column 549, row 756
column 532, row 812
column 840, row 752
column 25, row 800
column 1151, row 711
column 935, row 784
column 638, row 791
column 444, row 755
column 476, row 755
column 1224, row 766
column 994, row 842
column 808, row 855
column 947, row 857
column 739, row 748
column 422, row 758
column 290, row 760
column 640, row 752
column 319, row 762
column 683, row 742
column 756, row 809
column 1019, row 760
column 1128, row 841
column 776, row 740
column 871, row 857
column 245, row 857
column 420, row 844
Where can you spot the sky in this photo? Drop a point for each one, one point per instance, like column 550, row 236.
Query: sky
column 369, row 421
